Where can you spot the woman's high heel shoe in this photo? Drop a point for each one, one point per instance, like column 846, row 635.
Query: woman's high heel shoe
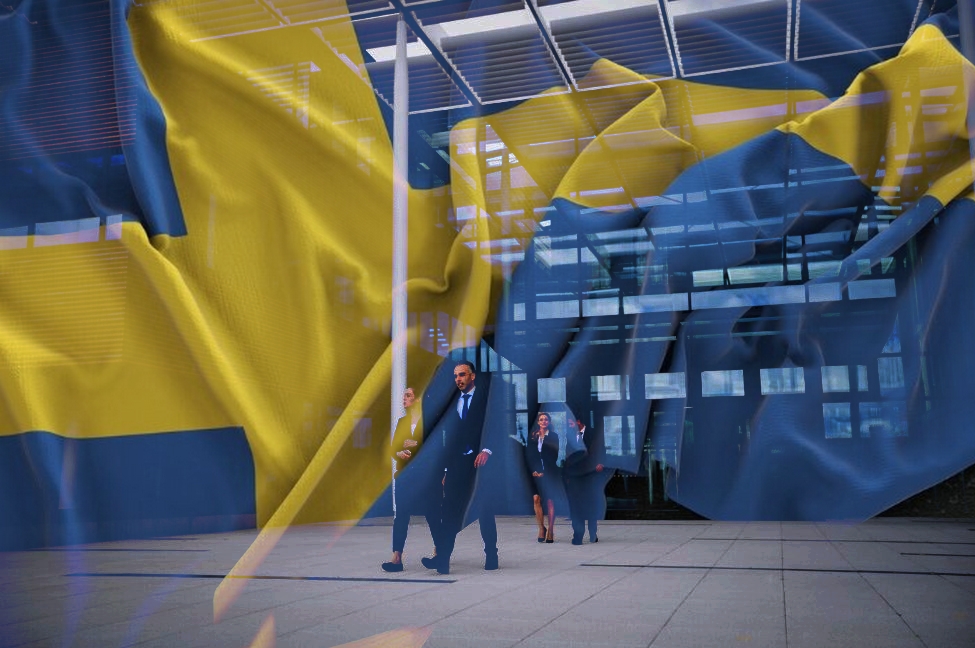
column 541, row 538
column 549, row 537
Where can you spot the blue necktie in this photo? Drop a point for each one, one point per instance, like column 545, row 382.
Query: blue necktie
column 467, row 406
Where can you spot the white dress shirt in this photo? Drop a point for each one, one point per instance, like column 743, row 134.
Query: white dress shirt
column 579, row 434
column 460, row 408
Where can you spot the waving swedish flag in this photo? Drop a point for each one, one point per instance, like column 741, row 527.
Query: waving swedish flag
column 742, row 255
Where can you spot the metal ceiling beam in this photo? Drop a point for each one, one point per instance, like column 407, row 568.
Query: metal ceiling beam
column 438, row 56
column 552, row 47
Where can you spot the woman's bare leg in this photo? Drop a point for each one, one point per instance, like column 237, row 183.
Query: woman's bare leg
column 539, row 515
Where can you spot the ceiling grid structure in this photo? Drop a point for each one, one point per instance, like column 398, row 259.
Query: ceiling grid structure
column 813, row 42
column 462, row 56
column 303, row 11
column 499, row 53
column 227, row 18
column 431, row 86
column 709, row 35
column 630, row 33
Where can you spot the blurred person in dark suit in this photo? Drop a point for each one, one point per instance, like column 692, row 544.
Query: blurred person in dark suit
column 585, row 478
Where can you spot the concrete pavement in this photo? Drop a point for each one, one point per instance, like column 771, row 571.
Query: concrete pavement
column 887, row 583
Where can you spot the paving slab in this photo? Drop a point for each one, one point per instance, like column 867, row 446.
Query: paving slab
column 813, row 555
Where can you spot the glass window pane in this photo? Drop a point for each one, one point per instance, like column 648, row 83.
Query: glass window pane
column 551, row 390
column 836, row 379
column 787, row 380
column 665, row 385
column 723, row 383
column 836, row 419
column 607, row 388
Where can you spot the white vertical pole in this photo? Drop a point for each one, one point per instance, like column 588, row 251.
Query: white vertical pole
column 401, row 197
column 966, row 25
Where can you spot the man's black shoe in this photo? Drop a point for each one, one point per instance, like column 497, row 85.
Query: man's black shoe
column 431, row 563
column 443, row 567
column 392, row 566
column 577, row 539
column 490, row 562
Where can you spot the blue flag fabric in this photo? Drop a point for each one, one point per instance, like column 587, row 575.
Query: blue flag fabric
column 755, row 276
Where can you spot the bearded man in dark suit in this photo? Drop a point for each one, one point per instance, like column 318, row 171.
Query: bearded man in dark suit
column 460, row 455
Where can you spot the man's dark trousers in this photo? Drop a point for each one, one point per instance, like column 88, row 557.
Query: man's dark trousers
column 459, row 434
column 578, row 492
column 458, row 489
column 587, row 501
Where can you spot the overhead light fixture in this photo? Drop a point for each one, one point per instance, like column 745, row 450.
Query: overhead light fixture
column 508, row 21
column 587, row 8
column 484, row 24
column 416, row 49
column 678, row 8
column 455, row 29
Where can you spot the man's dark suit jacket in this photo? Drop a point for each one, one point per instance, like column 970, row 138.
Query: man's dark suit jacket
column 446, row 439
column 595, row 454
column 459, row 438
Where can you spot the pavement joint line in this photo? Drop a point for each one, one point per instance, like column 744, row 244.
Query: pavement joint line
column 785, row 593
column 938, row 542
column 656, row 523
column 903, row 553
column 507, row 591
column 454, row 613
column 472, row 605
column 785, row 569
column 677, row 607
column 355, row 579
column 691, row 539
column 691, row 591
column 72, row 549
column 892, row 608
column 571, row 608
column 384, row 603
